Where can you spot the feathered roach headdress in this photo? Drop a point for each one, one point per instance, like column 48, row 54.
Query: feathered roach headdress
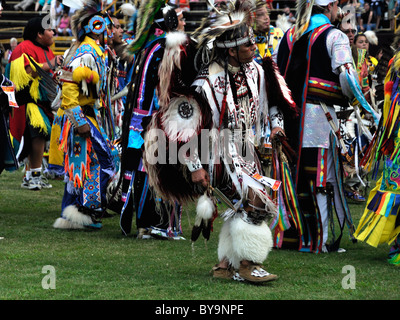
column 146, row 16
column 85, row 9
column 229, row 29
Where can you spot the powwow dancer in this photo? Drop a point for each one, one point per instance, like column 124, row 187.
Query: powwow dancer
column 154, row 216
column 228, row 101
column 31, row 65
column 84, row 123
column 315, row 59
column 380, row 223
column 8, row 160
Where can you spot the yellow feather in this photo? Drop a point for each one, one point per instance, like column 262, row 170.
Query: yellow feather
column 85, row 73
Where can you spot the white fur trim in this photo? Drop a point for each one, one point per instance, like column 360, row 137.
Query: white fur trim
column 240, row 240
column 175, row 126
column 225, row 249
column 77, row 218
column 62, row 223
column 175, row 39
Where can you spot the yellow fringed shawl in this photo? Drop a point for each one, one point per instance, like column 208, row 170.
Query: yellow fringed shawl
column 21, row 78
column 36, row 119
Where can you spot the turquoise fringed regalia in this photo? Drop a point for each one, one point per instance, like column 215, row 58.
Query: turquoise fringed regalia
column 380, row 221
column 88, row 158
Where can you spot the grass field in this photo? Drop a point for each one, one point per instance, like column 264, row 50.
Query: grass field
column 105, row 265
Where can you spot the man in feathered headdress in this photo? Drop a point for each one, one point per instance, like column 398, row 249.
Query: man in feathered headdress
column 155, row 34
column 227, row 100
column 315, row 59
column 84, row 123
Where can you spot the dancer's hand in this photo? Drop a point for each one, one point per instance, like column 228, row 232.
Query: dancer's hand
column 277, row 131
column 201, row 177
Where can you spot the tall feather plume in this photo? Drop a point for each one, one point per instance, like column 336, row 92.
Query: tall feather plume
column 303, row 14
column 146, row 14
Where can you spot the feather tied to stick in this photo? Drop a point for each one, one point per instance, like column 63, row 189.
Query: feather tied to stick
column 206, row 211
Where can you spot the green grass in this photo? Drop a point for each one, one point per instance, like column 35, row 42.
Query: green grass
column 106, row 265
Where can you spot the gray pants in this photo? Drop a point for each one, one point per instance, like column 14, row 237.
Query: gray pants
column 23, row 5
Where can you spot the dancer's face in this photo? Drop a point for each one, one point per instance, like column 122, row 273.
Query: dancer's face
column 46, row 39
column 362, row 42
column 262, row 20
column 118, row 31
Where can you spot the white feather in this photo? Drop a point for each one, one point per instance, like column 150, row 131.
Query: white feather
column 228, row 21
column 282, row 23
column 371, row 37
column 75, row 4
column 128, row 9
column 204, row 210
